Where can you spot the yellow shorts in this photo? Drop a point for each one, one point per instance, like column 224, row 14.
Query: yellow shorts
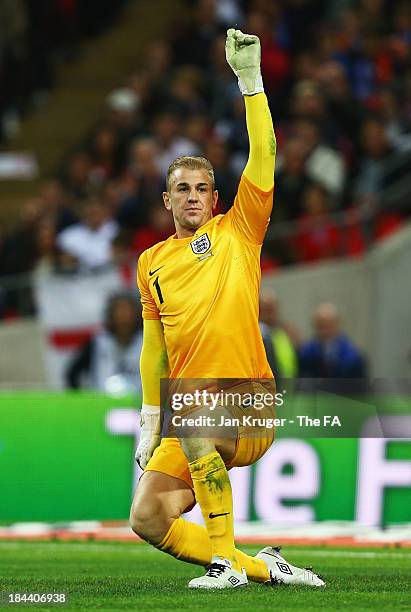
column 169, row 457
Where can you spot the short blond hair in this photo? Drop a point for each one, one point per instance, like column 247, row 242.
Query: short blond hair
column 192, row 162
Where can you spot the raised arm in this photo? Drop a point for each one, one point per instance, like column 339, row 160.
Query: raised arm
column 249, row 216
column 261, row 160
column 243, row 52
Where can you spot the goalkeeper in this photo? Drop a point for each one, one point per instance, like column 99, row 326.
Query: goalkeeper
column 199, row 290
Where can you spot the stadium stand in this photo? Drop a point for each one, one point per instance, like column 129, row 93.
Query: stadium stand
column 35, row 38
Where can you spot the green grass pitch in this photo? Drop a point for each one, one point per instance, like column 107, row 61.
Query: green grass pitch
column 127, row 576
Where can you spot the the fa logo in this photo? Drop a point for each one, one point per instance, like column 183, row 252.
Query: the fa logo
column 201, row 244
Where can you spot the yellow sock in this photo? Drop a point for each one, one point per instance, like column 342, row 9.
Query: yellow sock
column 190, row 542
column 212, row 489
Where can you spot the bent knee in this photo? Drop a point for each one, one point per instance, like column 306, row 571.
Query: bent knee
column 158, row 501
column 149, row 521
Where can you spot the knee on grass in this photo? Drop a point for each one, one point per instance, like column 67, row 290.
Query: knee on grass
column 149, row 521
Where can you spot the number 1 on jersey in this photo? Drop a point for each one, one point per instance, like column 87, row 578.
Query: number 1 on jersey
column 157, row 286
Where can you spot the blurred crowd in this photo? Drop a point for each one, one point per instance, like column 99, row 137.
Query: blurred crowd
column 107, row 361
column 338, row 77
column 329, row 353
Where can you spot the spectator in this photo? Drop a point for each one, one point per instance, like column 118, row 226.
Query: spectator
column 19, row 256
column 108, row 362
column 397, row 125
column 159, row 62
column 77, row 174
column 330, row 354
column 205, row 23
column 198, row 130
column 90, row 240
column 232, row 131
column 380, row 168
column 106, row 154
column 124, row 105
column 317, row 237
column 278, row 337
column 229, row 12
column 323, row 165
column 308, row 102
column 143, row 160
column 167, row 127
column 347, row 114
column 361, row 54
column 302, row 17
column 186, row 91
column 159, row 227
column 141, row 185
column 275, row 63
column 141, row 84
column 216, row 151
column 45, row 247
column 305, row 66
column 291, row 179
column 19, row 246
column 55, row 204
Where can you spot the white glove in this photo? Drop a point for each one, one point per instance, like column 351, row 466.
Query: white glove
column 149, row 434
column 243, row 53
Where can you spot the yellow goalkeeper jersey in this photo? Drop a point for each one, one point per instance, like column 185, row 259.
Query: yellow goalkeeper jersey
column 205, row 291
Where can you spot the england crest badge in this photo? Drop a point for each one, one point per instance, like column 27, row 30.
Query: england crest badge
column 201, row 244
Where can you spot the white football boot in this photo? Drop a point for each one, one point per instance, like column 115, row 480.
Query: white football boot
column 220, row 575
column 281, row 572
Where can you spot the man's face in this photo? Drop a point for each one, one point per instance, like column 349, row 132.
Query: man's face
column 124, row 316
column 191, row 199
column 326, row 326
column 268, row 308
column 94, row 214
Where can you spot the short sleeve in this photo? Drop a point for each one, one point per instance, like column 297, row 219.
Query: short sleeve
column 249, row 216
column 150, row 310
